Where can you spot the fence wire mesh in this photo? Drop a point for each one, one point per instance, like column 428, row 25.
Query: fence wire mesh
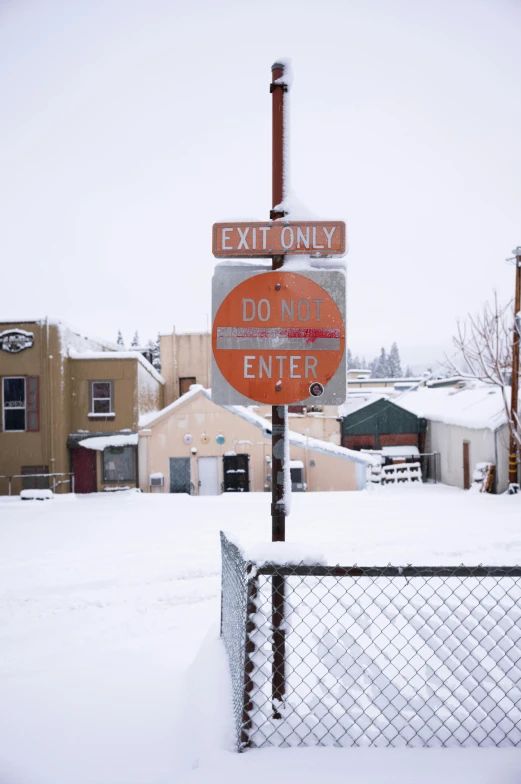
column 356, row 656
column 234, row 617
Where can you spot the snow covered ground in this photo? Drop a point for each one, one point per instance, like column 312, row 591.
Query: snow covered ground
column 106, row 600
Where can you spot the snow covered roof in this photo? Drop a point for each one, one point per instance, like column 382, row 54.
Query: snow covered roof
column 248, row 414
column 476, row 408
column 400, row 451
column 73, row 354
column 359, row 399
column 102, row 442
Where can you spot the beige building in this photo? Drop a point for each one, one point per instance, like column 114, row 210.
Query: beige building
column 322, row 422
column 186, row 359
column 59, row 389
column 199, row 447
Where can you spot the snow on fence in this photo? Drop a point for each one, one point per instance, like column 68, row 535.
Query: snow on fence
column 372, row 656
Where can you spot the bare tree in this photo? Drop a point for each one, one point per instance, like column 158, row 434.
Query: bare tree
column 484, row 343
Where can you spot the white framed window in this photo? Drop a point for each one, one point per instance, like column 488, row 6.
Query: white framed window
column 14, row 404
column 101, row 399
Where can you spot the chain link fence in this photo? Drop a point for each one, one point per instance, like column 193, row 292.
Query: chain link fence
column 372, row 656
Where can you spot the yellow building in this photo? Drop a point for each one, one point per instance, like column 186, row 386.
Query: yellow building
column 60, row 389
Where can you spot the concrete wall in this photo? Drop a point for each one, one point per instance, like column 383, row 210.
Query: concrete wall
column 185, row 355
column 204, row 420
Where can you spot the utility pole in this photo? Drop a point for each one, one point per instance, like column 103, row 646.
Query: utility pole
column 278, row 413
column 512, row 459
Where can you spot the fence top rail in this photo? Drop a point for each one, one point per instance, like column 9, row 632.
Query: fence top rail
column 26, row 476
column 301, row 570
column 267, row 568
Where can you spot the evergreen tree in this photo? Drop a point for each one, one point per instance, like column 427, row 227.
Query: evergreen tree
column 120, row 340
column 350, row 359
column 135, row 340
column 156, row 354
column 380, row 365
column 408, row 372
column 394, row 364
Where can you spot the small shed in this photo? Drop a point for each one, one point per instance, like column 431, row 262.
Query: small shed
column 467, row 427
column 382, row 423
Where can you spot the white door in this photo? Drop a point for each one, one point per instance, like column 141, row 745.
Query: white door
column 208, row 475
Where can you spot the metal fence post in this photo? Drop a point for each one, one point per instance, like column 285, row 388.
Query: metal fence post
column 249, row 649
column 278, row 592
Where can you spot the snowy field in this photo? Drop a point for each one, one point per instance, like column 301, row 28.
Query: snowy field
column 110, row 668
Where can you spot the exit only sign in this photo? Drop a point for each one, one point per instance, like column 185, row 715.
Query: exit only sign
column 254, row 240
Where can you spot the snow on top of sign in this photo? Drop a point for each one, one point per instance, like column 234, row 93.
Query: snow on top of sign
column 18, row 331
column 253, row 266
column 480, row 407
column 102, row 442
column 305, row 263
column 294, row 209
column 73, row 354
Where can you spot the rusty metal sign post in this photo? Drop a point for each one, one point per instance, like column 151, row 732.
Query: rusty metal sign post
column 278, row 338
column 279, row 422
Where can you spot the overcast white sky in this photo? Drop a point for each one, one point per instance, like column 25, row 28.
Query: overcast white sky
column 127, row 127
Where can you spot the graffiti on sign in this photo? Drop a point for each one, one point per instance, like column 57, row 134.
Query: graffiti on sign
column 279, row 337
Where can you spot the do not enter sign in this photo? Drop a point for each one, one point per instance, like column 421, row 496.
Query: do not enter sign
column 279, row 337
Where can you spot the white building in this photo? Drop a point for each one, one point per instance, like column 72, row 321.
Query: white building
column 466, row 426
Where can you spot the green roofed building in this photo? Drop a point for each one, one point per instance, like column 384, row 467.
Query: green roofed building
column 382, row 424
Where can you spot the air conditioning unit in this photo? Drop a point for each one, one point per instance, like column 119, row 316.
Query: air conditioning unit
column 156, row 480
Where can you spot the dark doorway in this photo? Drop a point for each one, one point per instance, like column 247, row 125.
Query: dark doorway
column 185, row 384
column 180, row 475
column 236, row 471
column 84, row 470
column 466, row 465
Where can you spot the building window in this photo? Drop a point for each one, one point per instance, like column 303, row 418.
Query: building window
column 119, row 464
column 35, row 482
column 101, row 397
column 185, row 384
column 13, row 400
